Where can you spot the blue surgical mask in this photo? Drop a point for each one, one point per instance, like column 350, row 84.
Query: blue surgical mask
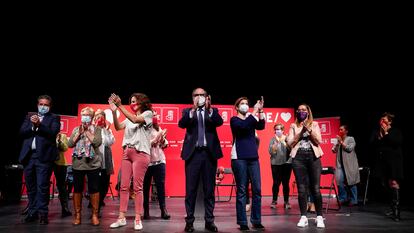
column 43, row 109
column 279, row 132
column 243, row 108
column 301, row 116
column 86, row 119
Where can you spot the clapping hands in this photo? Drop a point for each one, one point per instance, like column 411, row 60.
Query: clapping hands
column 259, row 105
column 114, row 101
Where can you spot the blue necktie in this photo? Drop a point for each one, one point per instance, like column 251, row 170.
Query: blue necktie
column 200, row 141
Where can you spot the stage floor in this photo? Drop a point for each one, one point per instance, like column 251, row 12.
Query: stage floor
column 357, row 219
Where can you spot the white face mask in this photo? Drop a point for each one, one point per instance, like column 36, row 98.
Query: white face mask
column 201, row 101
column 243, row 108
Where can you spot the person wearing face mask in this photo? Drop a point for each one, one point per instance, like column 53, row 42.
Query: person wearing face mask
column 245, row 160
column 39, row 151
column 305, row 138
column 347, row 168
column 137, row 150
column 386, row 142
column 281, row 165
column 86, row 161
column 108, row 140
column 201, row 150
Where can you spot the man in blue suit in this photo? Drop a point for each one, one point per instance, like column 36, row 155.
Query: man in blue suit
column 37, row 155
column 201, row 150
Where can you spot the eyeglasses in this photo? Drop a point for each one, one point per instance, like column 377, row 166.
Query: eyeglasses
column 198, row 95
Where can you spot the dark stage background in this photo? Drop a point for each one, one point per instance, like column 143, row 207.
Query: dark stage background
column 329, row 94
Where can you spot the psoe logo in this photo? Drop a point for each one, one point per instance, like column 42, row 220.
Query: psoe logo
column 325, row 127
column 226, row 114
column 169, row 115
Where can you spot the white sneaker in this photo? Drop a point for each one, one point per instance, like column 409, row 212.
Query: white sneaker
column 120, row 222
column 138, row 225
column 319, row 222
column 303, row 222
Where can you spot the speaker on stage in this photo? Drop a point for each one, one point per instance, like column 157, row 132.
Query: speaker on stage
column 13, row 183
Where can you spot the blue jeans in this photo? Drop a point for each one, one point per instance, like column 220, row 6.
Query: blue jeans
column 242, row 169
column 346, row 190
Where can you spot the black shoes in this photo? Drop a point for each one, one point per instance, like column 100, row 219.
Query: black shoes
column 66, row 212
column 189, row 227
column 43, row 220
column 211, row 227
column 258, row 226
column 164, row 213
column 244, row 228
column 30, row 218
column 33, row 217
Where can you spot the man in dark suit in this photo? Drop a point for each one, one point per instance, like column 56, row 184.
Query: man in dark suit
column 201, row 150
column 37, row 155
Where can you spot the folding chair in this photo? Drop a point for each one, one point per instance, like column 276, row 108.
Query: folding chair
column 231, row 184
column 331, row 187
column 363, row 185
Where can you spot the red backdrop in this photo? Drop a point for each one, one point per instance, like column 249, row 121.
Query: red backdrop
column 169, row 115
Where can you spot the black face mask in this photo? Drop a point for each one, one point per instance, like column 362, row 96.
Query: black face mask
column 301, row 115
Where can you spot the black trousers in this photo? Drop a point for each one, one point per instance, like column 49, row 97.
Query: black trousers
column 307, row 169
column 281, row 175
column 60, row 175
column 93, row 180
column 104, row 185
column 158, row 172
column 200, row 166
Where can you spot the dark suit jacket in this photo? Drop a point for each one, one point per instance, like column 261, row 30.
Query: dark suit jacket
column 190, row 140
column 45, row 138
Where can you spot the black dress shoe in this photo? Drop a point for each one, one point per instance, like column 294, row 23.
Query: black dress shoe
column 30, row 218
column 66, row 213
column 244, row 228
column 164, row 214
column 189, row 227
column 43, row 220
column 211, row 227
column 258, row 226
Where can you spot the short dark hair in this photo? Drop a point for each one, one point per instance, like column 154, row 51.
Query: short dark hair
column 345, row 127
column 47, row 97
column 205, row 92
column 388, row 115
